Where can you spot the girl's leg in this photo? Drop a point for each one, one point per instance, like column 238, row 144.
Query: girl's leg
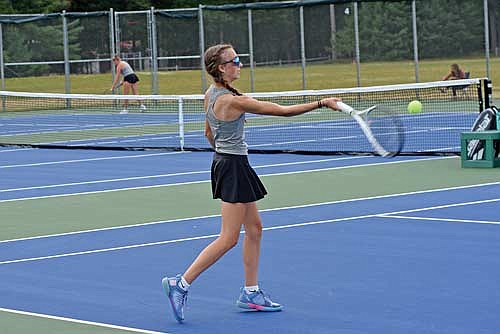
column 135, row 90
column 233, row 215
column 251, row 243
column 126, row 90
column 253, row 298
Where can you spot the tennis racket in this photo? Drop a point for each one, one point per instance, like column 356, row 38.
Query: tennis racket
column 109, row 91
column 383, row 131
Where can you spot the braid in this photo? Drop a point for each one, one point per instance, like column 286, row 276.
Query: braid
column 212, row 62
column 230, row 88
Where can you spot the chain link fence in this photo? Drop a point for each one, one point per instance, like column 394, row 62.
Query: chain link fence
column 291, row 34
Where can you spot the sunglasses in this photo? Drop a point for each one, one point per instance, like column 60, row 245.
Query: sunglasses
column 236, row 61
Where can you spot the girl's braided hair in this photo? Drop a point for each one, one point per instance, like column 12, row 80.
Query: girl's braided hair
column 212, row 61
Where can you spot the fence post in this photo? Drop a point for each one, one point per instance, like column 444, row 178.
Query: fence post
column 356, row 41
column 117, row 34
column 66, row 55
column 202, row 48
column 333, row 31
column 66, row 58
column 250, row 50
column 486, row 37
column 415, row 37
column 302, row 47
column 112, row 47
column 2, row 72
column 154, row 52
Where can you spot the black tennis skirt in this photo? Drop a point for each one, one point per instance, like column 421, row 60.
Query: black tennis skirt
column 131, row 78
column 234, row 180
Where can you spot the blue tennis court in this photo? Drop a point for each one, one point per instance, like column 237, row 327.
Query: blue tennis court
column 352, row 244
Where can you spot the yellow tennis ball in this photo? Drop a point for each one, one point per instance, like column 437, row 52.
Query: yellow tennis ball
column 414, row 107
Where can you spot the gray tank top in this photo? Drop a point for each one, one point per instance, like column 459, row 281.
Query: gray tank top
column 229, row 136
column 127, row 69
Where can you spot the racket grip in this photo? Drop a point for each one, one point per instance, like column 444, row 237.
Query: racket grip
column 345, row 108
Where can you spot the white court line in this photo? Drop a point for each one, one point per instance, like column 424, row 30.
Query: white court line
column 3, row 149
column 61, row 185
column 446, row 205
column 280, row 227
column 164, row 175
column 89, row 159
column 78, row 321
column 444, row 219
column 207, row 181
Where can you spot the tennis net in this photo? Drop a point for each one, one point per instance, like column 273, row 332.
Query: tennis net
column 177, row 122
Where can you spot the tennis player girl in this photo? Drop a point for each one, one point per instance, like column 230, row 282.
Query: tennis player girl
column 234, row 181
column 130, row 81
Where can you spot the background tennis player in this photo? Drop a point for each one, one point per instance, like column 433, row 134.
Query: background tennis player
column 130, row 81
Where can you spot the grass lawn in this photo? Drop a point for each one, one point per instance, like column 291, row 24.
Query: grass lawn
column 277, row 78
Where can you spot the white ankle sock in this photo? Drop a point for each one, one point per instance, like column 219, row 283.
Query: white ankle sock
column 183, row 284
column 251, row 288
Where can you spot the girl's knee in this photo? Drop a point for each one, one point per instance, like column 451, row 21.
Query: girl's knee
column 228, row 242
column 254, row 231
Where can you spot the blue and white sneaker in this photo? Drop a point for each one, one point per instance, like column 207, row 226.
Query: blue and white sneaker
column 176, row 295
column 257, row 300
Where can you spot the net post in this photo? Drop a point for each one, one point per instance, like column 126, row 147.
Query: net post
column 479, row 88
column 488, row 90
column 181, row 123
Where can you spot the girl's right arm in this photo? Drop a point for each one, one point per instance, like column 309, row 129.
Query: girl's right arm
column 251, row 105
column 117, row 76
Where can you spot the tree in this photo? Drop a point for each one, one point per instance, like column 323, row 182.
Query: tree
column 450, row 28
column 98, row 5
column 39, row 6
column 37, row 42
column 385, row 31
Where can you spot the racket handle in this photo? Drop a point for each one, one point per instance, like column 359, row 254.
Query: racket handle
column 345, row 108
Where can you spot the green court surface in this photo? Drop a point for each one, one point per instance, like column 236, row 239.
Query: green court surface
column 30, row 324
column 67, row 213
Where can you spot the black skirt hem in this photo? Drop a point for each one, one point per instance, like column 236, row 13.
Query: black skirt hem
column 234, row 180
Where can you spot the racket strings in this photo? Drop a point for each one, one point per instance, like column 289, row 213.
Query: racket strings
column 386, row 129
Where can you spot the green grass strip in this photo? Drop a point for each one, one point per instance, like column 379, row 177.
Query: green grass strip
column 107, row 209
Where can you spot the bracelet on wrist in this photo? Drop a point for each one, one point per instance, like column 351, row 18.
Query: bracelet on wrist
column 320, row 105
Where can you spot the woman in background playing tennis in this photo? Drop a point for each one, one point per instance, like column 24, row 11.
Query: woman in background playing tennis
column 130, row 81
column 233, row 179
